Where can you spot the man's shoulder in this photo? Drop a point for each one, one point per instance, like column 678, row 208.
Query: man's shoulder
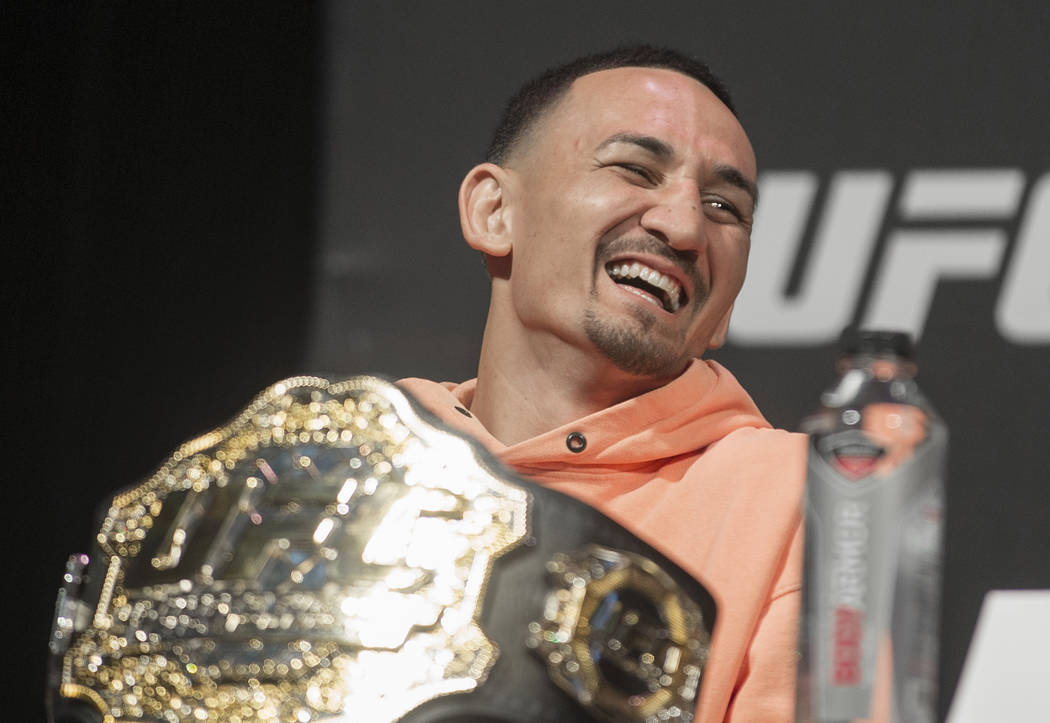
column 766, row 436
column 763, row 447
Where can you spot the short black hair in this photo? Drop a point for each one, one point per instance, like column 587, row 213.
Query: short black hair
column 535, row 97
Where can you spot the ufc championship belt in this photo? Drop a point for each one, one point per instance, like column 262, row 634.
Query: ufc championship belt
column 335, row 554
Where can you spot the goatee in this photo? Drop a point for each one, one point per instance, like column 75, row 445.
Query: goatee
column 631, row 348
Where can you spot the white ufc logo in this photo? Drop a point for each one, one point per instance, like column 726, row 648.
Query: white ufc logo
column 973, row 205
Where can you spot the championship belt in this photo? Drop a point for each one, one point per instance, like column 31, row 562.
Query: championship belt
column 336, row 554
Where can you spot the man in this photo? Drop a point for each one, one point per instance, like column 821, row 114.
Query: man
column 614, row 213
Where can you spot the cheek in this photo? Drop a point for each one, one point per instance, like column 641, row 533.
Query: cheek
column 611, row 201
column 579, row 213
column 597, row 203
column 560, row 228
column 728, row 258
column 582, row 197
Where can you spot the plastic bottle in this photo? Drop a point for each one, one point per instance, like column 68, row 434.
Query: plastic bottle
column 874, row 517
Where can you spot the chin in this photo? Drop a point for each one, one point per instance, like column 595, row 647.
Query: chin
column 635, row 351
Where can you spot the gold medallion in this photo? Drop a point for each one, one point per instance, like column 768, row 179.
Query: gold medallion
column 620, row 636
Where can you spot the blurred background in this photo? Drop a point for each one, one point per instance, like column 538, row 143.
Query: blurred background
column 206, row 198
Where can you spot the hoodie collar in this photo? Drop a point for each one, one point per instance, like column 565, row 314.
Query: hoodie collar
column 701, row 406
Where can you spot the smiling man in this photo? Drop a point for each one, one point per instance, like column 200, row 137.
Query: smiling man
column 614, row 212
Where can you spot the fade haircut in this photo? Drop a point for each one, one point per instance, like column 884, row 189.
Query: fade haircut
column 538, row 95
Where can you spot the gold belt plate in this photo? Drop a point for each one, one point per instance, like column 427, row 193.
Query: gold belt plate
column 323, row 557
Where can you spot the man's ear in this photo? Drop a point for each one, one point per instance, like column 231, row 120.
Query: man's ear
column 719, row 337
column 483, row 209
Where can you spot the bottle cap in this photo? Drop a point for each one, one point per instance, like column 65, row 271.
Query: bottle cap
column 876, row 341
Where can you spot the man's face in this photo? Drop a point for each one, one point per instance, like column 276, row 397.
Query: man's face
column 632, row 221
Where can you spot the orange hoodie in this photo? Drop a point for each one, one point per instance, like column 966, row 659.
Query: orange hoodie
column 695, row 470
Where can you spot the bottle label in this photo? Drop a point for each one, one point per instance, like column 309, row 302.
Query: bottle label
column 873, row 515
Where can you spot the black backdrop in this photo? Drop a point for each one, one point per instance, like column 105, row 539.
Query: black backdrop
column 162, row 270
column 215, row 198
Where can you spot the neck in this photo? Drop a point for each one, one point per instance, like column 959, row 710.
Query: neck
column 532, row 382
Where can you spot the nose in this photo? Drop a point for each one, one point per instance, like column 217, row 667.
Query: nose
column 677, row 217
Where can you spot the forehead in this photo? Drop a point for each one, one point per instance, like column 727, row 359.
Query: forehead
column 652, row 101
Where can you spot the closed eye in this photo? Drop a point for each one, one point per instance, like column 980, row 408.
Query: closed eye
column 640, row 171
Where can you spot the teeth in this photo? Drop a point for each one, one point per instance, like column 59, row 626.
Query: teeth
column 637, row 270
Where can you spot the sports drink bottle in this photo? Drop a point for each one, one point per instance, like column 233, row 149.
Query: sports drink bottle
column 874, row 517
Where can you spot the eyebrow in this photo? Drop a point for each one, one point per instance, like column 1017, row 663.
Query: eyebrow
column 654, row 145
column 733, row 176
column 664, row 151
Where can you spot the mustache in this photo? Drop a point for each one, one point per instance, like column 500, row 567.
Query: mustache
column 684, row 261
